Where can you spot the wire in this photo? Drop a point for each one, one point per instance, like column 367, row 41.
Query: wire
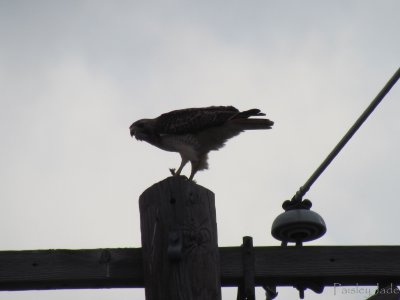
column 353, row 129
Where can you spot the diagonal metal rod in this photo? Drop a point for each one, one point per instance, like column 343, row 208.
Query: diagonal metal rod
column 304, row 189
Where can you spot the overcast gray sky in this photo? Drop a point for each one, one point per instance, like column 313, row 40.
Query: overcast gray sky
column 75, row 74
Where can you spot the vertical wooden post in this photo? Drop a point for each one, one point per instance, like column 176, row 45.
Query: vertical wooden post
column 246, row 290
column 179, row 241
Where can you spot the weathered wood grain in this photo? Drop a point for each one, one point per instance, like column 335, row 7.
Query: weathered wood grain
column 70, row 269
column 275, row 266
column 179, row 240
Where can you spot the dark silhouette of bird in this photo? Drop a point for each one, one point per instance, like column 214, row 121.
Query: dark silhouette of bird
column 194, row 132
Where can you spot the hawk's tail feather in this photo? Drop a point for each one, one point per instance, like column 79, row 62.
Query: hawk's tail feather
column 249, row 113
column 250, row 124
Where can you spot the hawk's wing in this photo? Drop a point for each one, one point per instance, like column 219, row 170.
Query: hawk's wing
column 191, row 120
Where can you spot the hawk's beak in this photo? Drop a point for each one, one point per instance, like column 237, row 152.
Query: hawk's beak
column 132, row 131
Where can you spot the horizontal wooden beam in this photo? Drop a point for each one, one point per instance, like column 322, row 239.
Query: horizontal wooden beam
column 327, row 265
column 70, row 269
column 307, row 266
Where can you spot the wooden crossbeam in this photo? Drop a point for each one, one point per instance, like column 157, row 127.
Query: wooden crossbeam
column 275, row 266
column 71, row 269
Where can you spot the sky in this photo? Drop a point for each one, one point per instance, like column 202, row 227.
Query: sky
column 75, row 74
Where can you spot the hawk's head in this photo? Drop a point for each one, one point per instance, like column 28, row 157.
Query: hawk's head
column 142, row 129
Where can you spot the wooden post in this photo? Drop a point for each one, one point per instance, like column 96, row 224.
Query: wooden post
column 179, row 241
column 246, row 290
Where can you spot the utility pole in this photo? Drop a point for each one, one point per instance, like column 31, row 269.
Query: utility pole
column 179, row 241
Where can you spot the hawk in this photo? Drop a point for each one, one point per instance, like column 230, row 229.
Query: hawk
column 194, row 132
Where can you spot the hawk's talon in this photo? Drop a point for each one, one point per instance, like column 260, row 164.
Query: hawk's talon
column 174, row 173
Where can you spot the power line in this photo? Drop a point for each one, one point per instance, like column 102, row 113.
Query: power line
column 353, row 129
